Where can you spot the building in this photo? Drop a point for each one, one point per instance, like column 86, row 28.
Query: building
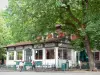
column 55, row 50
column 49, row 53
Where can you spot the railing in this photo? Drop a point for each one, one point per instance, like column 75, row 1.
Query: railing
column 84, row 66
column 6, row 68
column 44, row 68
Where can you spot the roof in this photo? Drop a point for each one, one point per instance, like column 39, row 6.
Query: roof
column 30, row 43
column 19, row 44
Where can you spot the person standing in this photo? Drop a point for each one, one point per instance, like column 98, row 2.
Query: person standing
column 80, row 64
column 33, row 64
column 21, row 65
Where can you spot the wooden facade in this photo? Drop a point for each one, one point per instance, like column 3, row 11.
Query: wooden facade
column 49, row 53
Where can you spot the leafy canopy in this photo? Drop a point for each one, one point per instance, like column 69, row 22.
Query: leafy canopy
column 29, row 19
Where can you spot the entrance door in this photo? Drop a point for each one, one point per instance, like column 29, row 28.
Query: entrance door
column 28, row 55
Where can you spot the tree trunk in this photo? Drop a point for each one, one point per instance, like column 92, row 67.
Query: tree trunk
column 89, row 53
column 86, row 38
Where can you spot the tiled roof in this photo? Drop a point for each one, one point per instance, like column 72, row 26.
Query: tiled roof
column 30, row 43
column 19, row 44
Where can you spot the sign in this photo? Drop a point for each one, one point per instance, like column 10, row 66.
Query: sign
column 50, row 45
column 38, row 46
column 11, row 49
column 28, row 46
column 19, row 48
column 62, row 45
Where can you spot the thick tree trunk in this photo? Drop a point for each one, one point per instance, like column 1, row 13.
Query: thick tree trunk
column 86, row 39
column 89, row 53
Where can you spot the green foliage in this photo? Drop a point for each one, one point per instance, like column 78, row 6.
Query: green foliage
column 5, row 32
column 5, row 36
column 93, row 24
column 2, row 53
column 78, row 45
column 28, row 19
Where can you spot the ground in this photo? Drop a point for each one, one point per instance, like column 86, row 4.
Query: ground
column 52, row 73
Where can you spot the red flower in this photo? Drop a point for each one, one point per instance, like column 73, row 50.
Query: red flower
column 61, row 34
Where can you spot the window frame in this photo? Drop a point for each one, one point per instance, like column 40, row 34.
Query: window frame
column 11, row 56
column 49, row 50
column 38, row 58
column 94, row 53
column 17, row 54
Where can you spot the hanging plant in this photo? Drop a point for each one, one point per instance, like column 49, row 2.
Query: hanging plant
column 39, row 38
column 74, row 37
column 61, row 35
column 50, row 36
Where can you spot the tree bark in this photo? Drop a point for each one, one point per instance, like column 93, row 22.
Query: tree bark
column 86, row 38
column 89, row 53
column 83, row 26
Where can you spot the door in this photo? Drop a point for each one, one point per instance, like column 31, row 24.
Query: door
column 28, row 55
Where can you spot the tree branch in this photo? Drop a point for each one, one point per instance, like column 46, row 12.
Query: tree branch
column 69, row 23
column 72, row 16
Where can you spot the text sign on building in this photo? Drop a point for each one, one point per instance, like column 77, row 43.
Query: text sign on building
column 11, row 49
column 62, row 45
column 50, row 45
column 28, row 46
column 38, row 46
column 19, row 48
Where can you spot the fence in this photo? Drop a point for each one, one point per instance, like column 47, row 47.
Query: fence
column 6, row 68
column 44, row 68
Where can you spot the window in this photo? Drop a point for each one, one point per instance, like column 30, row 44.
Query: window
column 62, row 54
column 38, row 54
column 96, row 55
column 19, row 55
column 69, row 54
column 28, row 55
column 50, row 54
column 11, row 55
